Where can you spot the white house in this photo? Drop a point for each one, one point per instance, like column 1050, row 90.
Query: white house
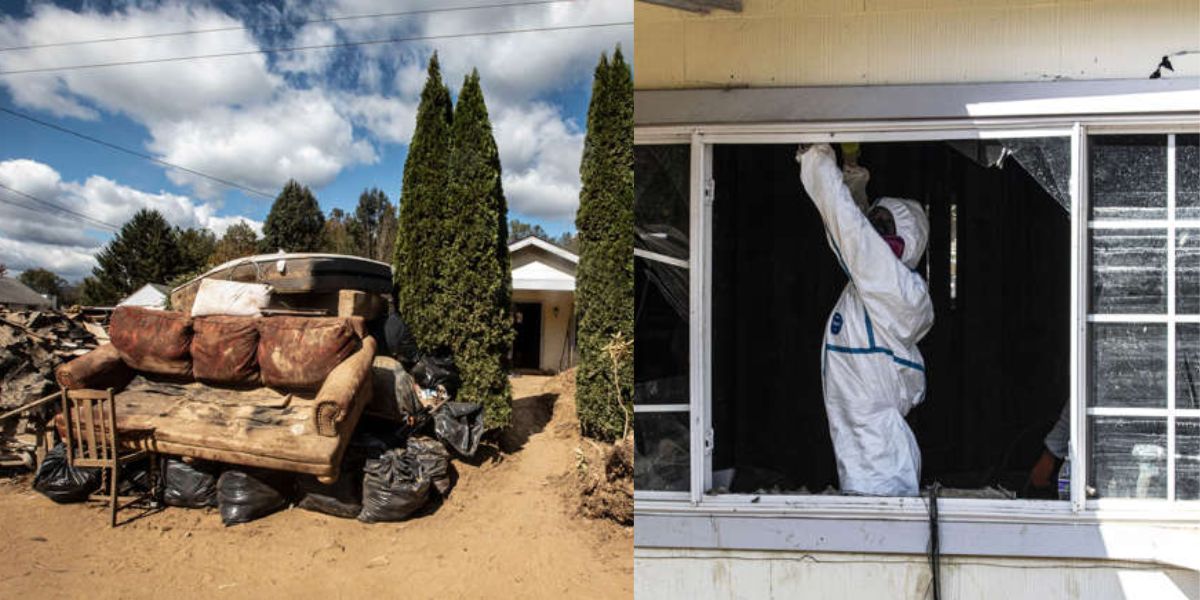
column 151, row 295
column 543, row 279
column 1056, row 148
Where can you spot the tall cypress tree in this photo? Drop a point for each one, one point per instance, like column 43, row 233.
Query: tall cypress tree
column 423, row 237
column 478, row 292
column 295, row 221
column 604, row 279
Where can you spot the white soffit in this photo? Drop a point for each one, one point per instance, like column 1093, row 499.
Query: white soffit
column 934, row 101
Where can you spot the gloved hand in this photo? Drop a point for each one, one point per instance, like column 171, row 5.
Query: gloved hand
column 806, row 148
column 856, row 179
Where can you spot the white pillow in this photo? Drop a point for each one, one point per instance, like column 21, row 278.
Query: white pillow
column 221, row 297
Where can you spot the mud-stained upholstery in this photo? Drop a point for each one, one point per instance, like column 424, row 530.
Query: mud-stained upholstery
column 286, row 428
column 225, row 350
column 153, row 341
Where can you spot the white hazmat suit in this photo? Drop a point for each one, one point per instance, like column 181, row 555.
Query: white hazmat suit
column 872, row 371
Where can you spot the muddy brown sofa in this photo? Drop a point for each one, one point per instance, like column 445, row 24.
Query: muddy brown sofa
column 275, row 392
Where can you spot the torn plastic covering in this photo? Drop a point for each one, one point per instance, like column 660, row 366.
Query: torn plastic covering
column 662, row 216
column 1046, row 159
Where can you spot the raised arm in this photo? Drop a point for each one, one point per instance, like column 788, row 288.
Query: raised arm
column 897, row 299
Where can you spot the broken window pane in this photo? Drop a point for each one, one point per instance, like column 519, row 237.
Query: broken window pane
column 660, row 452
column 1048, row 161
column 660, row 364
column 1187, row 271
column 1128, row 457
column 1187, row 176
column 1187, row 365
column 1128, row 366
column 661, row 206
column 1128, row 176
column 1187, row 459
column 1129, row 272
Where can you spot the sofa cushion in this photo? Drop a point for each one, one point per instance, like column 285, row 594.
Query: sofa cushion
column 224, row 350
column 299, row 352
column 153, row 341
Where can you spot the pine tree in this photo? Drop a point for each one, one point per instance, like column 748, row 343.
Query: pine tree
column 196, row 247
column 145, row 250
column 374, row 225
column 239, row 240
column 604, row 279
column 295, row 221
column 423, row 235
column 478, row 292
column 337, row 236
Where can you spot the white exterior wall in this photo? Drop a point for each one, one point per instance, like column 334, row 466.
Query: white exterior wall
column 879, row 42
column 697, row 574
column 554, row 327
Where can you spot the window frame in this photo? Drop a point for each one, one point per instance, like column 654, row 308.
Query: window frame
column 1080, row 510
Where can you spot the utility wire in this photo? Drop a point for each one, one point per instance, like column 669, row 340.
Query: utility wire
column 95, row 140
column 76, row 215
column 395, row 40
column 301, row 23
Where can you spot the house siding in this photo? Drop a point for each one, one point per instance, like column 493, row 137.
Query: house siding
column 882, row 42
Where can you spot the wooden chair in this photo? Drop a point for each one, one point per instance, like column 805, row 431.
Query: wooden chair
column 93, row 440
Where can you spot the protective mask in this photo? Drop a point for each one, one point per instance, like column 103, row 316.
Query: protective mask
column 896, row 243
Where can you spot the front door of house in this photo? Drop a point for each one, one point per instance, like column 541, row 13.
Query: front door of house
column 527, row 317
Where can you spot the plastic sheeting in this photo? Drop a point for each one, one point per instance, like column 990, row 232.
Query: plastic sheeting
column 1047, row 160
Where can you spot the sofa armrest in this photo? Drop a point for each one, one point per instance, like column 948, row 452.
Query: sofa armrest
column 336, row 397
column 99, row 369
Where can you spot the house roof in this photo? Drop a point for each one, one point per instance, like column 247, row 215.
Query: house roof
column 13, row 291
column 151, row 294
column 538, row 242
column 540, row 265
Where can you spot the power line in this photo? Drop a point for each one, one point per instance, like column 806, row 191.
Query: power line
column 130, row 151
column 77, row 215
column 301, row 23
column 317, row 47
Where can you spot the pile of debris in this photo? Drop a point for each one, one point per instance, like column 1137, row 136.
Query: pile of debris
column 32, row 344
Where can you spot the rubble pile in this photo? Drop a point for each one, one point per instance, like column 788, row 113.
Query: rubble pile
column 32, row 344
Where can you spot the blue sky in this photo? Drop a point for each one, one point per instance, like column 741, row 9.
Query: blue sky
column 336, row 119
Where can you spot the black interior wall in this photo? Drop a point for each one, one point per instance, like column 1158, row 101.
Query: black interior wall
column 996, row 357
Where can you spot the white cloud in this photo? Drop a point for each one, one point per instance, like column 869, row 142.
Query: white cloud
column 298, row 136
column 540, row 153
column 40, row 236
column 260, row 120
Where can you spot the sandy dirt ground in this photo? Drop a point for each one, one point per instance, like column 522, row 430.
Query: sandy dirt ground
column 508, row 530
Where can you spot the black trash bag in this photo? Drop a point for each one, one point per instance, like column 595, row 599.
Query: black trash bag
column 190, row 485
column 407, row 402
column 436, row 369
column 434, row 460
column 394, row 487
column 400, row 341
column 460, row 425
column 62, row 483
column 135, row 479
column 342, row 498
column 249, row 494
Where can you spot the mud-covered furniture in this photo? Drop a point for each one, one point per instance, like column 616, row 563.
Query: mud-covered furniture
column 280, row 393
column 93, row 440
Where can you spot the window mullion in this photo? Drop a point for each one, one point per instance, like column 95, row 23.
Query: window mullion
column 699, row 327
column 1079, row 308
column 1171, row 317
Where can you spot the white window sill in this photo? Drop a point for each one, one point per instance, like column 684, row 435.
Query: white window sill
column 1158, row 532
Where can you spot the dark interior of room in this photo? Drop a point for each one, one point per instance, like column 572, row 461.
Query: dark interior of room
column 996, row 358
